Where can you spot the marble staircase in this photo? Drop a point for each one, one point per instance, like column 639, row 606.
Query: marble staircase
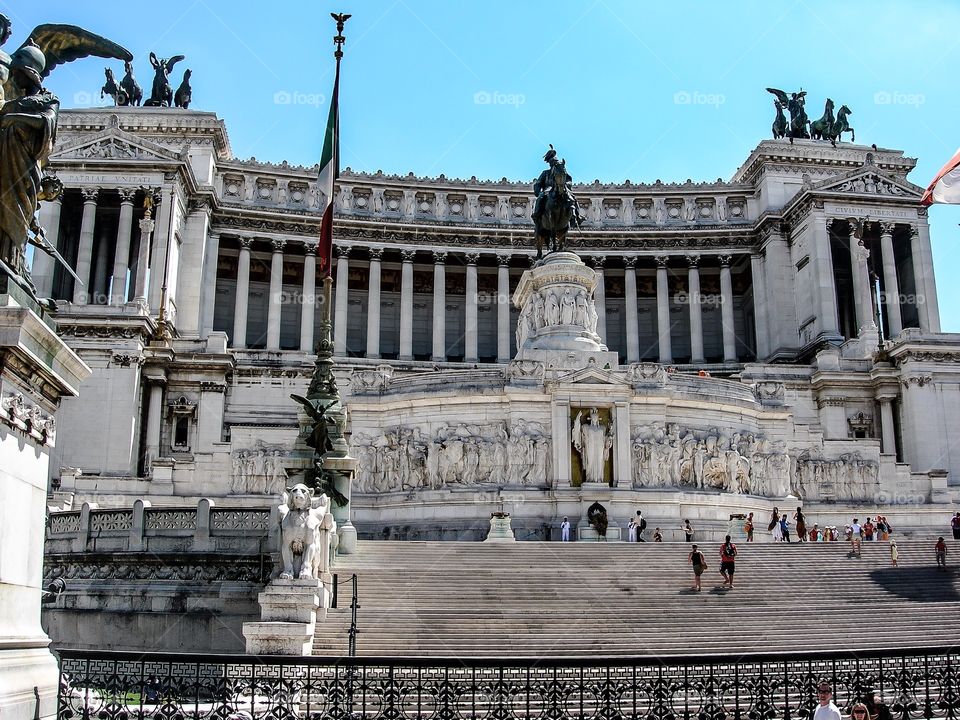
column 581, row 599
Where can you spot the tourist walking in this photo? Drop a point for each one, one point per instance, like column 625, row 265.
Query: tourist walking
column 894, row 553
column 565, row 530
column 748, row 527
column 641, row 523
column 687, row 530
column 826, row 710
column 776, row 530
column 801, row 521
column 882, row 532
column 955, row 524
column 856, row 532
column 785, row 527
column 699, row 563
column 941, row 549
column 728, row 556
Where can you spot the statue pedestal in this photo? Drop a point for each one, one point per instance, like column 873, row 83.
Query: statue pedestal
column 289, row 611
column 37, row 369
column 558, row 318
column 346, row 533
column 500, row 529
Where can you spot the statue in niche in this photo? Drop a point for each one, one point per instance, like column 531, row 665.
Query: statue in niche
column 593, row 441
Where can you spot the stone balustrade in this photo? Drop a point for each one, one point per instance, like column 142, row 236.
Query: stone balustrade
column 201, row 529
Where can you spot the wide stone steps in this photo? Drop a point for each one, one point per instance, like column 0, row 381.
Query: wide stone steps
column 544, row 599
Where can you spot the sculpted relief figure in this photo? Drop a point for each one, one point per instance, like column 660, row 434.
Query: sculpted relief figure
column 593, row 441
column 403, row 458
column 260, row 472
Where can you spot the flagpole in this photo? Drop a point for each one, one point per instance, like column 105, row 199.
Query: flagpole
column 323, row 383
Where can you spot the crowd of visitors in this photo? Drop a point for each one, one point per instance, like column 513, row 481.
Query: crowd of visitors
column 870, row 707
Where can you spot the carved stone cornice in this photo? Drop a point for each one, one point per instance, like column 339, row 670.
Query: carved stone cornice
column 127, row 360
column 823, row 402
column 920, row 380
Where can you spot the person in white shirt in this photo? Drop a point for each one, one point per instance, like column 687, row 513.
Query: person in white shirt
column 855, row 531
column 826, row 710
column 565, row 530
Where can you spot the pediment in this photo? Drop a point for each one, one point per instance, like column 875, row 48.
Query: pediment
column 593, row 375
column 869, row 181
column 114, row 144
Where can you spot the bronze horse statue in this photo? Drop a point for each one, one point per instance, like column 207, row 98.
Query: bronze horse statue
column 112, row 89
column 841, row 126
column 779, row 122
column 554, row 221
column 822, row 129
column 130, row 85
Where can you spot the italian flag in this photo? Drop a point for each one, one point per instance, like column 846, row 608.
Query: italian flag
column 945, row 187
column 329, row 171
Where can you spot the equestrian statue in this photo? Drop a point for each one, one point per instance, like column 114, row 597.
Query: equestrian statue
column 555, row 208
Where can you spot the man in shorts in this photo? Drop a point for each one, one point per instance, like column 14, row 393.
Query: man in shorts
column 728, row 555
column 855, row 536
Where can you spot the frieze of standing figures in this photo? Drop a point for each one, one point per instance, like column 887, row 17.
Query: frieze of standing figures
column 260, row 471
column 555, row 306
column 409, row 458
column 744, row 463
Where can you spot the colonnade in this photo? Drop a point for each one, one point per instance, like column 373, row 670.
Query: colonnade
column 469, row 261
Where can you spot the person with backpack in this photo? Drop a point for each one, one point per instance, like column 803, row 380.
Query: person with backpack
column 699, row 563
column 641, row 523
column 728, row 555
column 941, row 550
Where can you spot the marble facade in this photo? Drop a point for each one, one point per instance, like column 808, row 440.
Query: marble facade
column 733, row 324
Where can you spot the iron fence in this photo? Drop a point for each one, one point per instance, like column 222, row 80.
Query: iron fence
column 915, row 683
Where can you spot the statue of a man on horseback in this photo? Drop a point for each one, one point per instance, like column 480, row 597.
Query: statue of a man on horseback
column 555, row 208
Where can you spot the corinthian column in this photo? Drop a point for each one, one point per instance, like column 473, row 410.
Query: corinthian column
column 121, row 257
column 308, row 302
column 275, row 306
column 343, row 300
column 663, row 310
column 633, row 329
column 696, row 317
column 43, row 264
column 81, row 294
column 503, row 308
column 373, row 304
column 863, row 300
column 600, row 298
column 760, row 306
column 439, row 306
column 239, row 339
column 143, row 259
column 726, row 310
column 890, row 285
column 470, row 324
column 406, row 304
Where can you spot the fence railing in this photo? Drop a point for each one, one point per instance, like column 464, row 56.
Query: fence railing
column 914, row 683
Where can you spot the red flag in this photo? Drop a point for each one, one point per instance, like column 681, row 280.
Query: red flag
column 945, row 187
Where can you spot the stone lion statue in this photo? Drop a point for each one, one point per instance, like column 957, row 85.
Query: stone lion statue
column 306, row 533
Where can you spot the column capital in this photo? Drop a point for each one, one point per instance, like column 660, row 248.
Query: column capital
column 598, row 261
column 90, row 194
column 725, row 260
column 310, row 247
column 828, row 221
column 630, row 261
column 439, row 257
column 693, row 260
column 376, row 253
column 887, row 228
column 503, row 259
column 246, row 243
column 127, row 194
column 408, row 255
column 472, row 257
column 278, row 245
column 662, row 260
column 914, row 230
column 343, row 251
column 146, row 225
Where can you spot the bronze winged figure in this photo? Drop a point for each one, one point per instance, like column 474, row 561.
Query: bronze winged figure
column 28, row 131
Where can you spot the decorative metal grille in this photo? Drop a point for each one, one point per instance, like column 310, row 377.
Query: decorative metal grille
column 919, row 683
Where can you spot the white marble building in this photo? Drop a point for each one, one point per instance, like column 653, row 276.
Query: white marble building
column 772, row 335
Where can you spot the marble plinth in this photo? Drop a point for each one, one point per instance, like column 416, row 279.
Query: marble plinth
column 289, row 612
column 500, row 529
column 558, row 317
column 38, row 369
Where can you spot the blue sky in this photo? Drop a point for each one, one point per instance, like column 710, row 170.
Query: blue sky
column 624, row 88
